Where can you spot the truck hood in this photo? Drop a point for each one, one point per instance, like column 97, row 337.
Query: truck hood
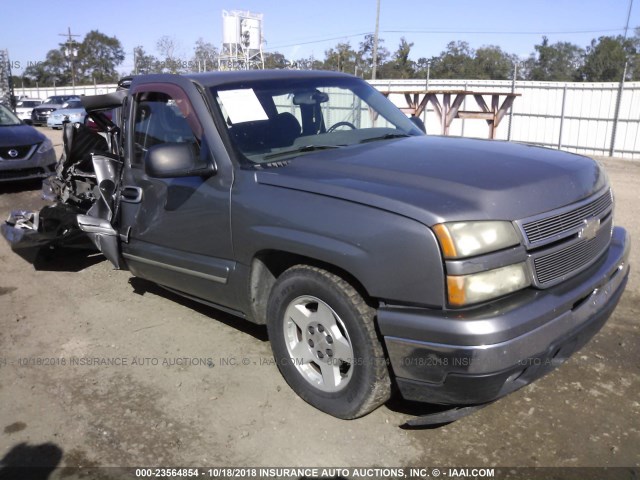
column 436, row 179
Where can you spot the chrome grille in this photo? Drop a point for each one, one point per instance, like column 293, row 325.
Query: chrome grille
column 537, row 231
column 554, row 267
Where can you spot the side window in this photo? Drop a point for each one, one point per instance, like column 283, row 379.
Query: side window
column 161, row 118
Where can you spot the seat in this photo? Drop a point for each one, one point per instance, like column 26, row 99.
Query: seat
column 285, row 128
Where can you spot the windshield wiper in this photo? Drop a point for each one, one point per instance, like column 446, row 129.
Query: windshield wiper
column 304, row 149
column 386, row 136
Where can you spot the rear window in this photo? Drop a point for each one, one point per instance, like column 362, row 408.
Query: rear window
column 28, row 103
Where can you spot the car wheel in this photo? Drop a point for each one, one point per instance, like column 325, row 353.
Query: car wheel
column 324, row 341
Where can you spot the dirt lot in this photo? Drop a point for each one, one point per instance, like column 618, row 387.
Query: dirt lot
column 170, row 406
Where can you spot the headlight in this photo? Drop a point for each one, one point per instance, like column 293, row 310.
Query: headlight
column 45, row 146
column 466, row 239
column 468, row 289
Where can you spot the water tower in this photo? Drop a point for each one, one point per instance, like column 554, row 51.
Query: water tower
column 241, row 41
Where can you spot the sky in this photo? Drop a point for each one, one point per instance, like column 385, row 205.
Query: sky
column 301, row 28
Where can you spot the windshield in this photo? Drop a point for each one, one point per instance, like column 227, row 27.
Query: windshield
column 270, row 120
column 7, row 118
column 28, row 103
column 73, row 104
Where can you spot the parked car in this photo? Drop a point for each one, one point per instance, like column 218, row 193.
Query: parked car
column 25, row 153
column 71, row 111
column 457, row 269
column 24, row 107
column 41, row 113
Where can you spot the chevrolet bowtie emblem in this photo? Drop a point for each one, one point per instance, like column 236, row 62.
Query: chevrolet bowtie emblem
column 590, row 228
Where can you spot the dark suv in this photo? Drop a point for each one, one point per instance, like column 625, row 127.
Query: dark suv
column 457, row 269
column 41, row 113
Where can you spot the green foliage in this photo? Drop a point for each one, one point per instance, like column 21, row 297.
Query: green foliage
column 559, row 62
column 275, row 60
column 205, row 56
column 342, row 58
column 606, row 57
column 93, row 60
column 365, row 54
column 456, row 61
column 144, row 63
column 492, row 63
column 99, row 55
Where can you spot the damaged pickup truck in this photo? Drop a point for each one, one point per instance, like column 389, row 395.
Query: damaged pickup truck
column 453, row 270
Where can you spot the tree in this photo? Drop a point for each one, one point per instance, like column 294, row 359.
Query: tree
column 492, row 63
column 342, row 58
column 365, row 55
column 605, row 59
column 275, row 60
column 53, row 70
column 98, row 57
column 93, row 59
column 205, row 56
column 456, row 61
column 558, row 62
column 167, row 48
column 144, row 63
column 401, row 65
column 309, row 63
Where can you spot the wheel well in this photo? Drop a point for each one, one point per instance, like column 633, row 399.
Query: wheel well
column 267, row 266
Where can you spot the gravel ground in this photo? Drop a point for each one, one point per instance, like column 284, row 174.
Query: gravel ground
column 169, row 407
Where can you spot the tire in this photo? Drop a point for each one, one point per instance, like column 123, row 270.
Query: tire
column 324, row 342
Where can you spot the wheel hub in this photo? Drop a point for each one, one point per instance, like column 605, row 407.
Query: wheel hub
column 318, row 343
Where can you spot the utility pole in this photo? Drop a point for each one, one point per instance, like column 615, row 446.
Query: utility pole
column 616, row 117
column 71, row 51
column 375, row 42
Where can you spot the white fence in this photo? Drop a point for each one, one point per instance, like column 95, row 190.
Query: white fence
column 578, row 117
column 44, row 92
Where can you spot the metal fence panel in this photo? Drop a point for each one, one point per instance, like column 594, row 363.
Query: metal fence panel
column 577, row 117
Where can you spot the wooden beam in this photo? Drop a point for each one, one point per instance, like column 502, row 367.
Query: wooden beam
column 481, row 103
column 436, row 105
column 475, row 115
column 506, row 105
column 453, row 112
column 446, row 107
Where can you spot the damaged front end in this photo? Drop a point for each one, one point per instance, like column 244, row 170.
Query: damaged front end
column 83, row 189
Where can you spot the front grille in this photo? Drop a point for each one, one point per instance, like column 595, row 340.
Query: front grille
column 538, row 231
column 554, row 267
column 22, row 150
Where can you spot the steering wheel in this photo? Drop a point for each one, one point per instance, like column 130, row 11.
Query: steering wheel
column 341, row 124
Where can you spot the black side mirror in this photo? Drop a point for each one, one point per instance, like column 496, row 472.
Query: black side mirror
column 417, row 121
column 170, row 160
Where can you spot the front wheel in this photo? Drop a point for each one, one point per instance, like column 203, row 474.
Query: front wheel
column 324, row 341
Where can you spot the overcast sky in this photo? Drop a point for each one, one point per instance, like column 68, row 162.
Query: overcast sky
column 300, row 28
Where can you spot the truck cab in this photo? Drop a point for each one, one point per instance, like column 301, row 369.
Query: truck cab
column 455, row 270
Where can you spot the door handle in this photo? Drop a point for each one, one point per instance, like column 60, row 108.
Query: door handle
column 131, row 194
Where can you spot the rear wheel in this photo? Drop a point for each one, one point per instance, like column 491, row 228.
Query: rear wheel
column 324, row 341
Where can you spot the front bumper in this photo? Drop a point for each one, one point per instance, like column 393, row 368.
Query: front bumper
column 38, row 165
column 477, row 356
column 40, row 118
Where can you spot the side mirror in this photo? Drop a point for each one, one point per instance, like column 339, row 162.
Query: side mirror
column 417, row 121
column 171, row 160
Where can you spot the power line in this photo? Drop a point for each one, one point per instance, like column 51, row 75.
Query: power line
column 507, row 32
column 476, row 32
